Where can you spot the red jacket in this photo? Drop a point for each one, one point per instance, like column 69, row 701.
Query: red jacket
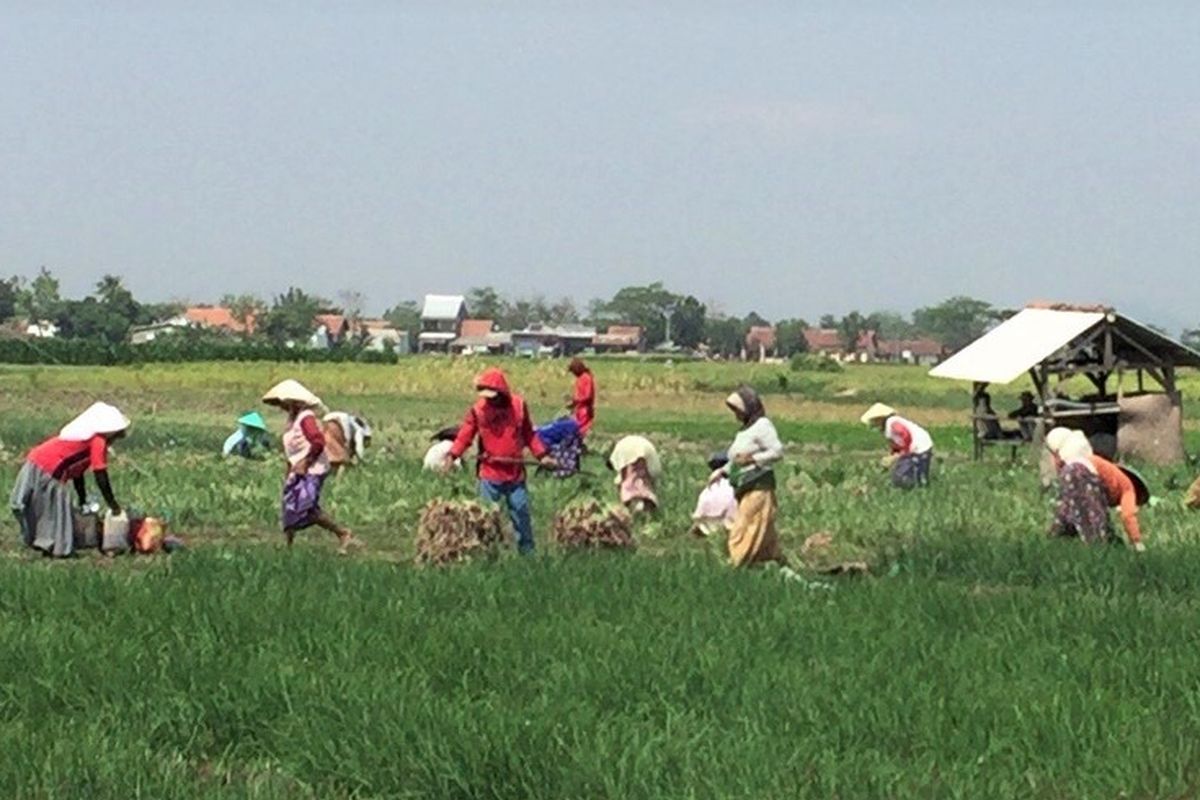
column 504, row 432
column 584, row 402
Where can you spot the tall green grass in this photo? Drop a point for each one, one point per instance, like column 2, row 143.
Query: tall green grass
column 233, row 673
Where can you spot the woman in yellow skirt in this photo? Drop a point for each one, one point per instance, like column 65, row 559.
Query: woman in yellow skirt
column 752, row 457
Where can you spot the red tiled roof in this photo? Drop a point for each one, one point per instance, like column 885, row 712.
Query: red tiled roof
column 828, row 339
column 476, row 328
column 918, row 347
column 761, row 335
column 332, row 322
column 624, row 335
column 217, row 317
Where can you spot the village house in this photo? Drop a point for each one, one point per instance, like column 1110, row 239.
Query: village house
column 480, row 337
column 761, row 343
column 620, row 339
column 559, row 340
column 442, row 317
column 379, row 335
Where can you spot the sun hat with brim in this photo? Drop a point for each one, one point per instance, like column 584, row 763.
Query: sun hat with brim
column 253, row 419
column 1139, row 484
column 99, row 419
column 877, row 411
column 290, row 391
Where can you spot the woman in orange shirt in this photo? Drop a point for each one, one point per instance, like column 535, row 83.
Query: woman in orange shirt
column 1125, row 490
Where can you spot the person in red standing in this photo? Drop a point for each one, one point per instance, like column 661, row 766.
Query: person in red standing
column 307, row 464
column 40, row 499
column 500, row 421
column 583, row 398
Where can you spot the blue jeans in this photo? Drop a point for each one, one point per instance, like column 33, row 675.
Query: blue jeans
column 517, row 497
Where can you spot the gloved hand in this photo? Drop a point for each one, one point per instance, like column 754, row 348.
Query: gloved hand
column 1138, row 547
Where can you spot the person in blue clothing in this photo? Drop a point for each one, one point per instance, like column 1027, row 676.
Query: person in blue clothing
column 250, row 440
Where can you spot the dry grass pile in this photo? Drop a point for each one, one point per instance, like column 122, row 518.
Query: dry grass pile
column 589, row 524
column 453, row 531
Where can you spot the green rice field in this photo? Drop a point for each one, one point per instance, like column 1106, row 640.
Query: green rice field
column 976, row 659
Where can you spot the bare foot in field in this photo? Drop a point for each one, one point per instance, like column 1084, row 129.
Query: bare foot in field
column 349, row 542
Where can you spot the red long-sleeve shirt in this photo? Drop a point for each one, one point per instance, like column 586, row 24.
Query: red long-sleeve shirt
column 504, row 431
column 584, row 402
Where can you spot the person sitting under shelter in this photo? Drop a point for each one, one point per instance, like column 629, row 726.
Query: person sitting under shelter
column 250, row 440
column 989, row 420
column 1026, row 415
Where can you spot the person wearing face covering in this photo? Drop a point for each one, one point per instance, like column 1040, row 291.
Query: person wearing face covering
column 751, row 470
column 500, row 421
column 1082, row 508
column 40, row 499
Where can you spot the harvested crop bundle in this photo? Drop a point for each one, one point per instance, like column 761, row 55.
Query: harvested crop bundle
column 589, row 524
column 456, row 530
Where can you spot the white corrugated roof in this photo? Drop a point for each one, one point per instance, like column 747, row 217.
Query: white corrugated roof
column 442, row 306
column 1009, row 350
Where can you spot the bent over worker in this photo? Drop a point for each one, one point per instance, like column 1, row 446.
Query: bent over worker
column 500, row 421
column 40, row 499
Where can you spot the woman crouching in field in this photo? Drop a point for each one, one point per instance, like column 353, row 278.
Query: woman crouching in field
column 751, row 469
column 41, row 501
column 308, row 464
column 1082, row 508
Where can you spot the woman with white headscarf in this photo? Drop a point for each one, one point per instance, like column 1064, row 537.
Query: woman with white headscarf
column 751, row 469
column 40, row 499
column 1082, row 508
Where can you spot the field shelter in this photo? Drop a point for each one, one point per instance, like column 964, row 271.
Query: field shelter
column 1125, row 415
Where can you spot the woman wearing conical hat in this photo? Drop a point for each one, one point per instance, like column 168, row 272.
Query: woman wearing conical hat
column 911, row 445
column 40, row 499
column 308, row 464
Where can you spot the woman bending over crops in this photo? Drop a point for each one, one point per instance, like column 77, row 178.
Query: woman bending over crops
column 911, row 446
column 638, row 467
column 41, row 501
column 307, row 464
column 1122, row 488
column 1082, row 509
column 751, row 469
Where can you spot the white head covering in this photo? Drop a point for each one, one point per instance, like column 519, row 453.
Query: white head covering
column 291, row 391
column 877, row 411
column 1071, row 447
column 100, row 418
column 629, row 449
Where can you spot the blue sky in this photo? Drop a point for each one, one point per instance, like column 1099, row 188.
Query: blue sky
column 792, row 158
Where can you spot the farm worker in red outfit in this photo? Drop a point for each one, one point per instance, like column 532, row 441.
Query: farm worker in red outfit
column 500, row 420
column 583, row 399
column 41, row 500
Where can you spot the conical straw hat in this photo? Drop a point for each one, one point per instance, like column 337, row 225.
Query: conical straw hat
column 290, row 391
column 877, row 411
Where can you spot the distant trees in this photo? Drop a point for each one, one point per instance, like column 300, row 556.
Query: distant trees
column 109, row 313
column 290, row 318
column 955, row 322
column 789, row 337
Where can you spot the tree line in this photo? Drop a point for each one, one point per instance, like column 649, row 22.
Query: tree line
column 110, row 312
